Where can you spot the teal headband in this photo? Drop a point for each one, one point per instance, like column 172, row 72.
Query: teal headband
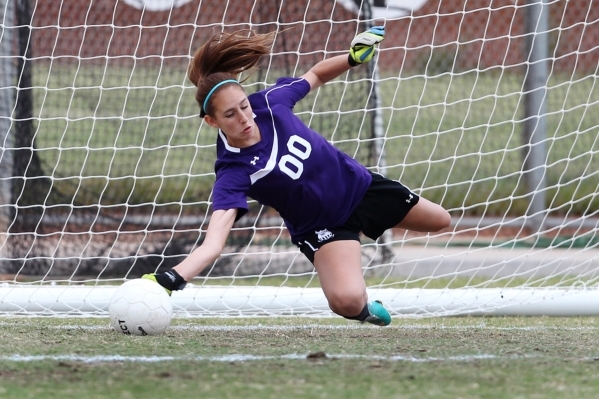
column 211, row 92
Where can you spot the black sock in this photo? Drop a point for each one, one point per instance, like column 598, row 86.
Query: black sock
column 171, row 280
column 362, row 316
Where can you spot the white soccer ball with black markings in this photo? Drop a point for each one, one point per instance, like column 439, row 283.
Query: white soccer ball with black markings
column 140, row 307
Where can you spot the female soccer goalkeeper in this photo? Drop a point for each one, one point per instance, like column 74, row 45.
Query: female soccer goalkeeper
column 265, row 152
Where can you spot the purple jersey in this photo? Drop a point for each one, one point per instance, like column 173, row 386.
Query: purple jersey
column 293, row 169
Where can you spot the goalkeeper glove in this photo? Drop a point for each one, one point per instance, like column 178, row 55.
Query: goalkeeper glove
column 362, row 48
column 170, row 281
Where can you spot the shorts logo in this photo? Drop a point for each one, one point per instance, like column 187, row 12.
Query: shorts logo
column 324, row 235
column 410, row 199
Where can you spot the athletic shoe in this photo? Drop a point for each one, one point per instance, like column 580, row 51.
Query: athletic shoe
column 152, row 277
column 378, row 314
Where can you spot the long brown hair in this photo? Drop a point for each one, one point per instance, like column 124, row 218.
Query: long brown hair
column 223, row 57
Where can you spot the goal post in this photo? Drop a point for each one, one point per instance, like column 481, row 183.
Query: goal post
column 489, row 108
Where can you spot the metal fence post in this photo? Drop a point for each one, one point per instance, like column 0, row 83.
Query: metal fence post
column 535, row 108
column 7, row 99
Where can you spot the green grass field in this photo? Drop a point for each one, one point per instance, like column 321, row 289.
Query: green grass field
column 302, row 358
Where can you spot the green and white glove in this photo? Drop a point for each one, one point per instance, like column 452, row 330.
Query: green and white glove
column 362, row 48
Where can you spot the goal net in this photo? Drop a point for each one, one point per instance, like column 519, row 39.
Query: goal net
column 489, row 108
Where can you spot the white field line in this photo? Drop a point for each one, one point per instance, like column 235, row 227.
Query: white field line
column 356, row 326
column 239, row 358
column 368, row 327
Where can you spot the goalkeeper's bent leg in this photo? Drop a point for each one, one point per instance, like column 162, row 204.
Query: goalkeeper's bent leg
column 374, row 313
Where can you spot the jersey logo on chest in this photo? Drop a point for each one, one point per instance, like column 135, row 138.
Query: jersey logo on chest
column 253, row 161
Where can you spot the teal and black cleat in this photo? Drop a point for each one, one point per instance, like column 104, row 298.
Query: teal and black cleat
column 152, row 277
column 378, row 314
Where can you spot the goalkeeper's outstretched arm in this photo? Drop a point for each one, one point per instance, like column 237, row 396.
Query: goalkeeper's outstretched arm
column 362, row 49
column 219, row 227
column 326, row 70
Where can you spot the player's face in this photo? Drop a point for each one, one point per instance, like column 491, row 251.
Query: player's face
column 232, row 113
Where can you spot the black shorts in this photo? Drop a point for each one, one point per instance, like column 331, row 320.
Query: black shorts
column 385, row 204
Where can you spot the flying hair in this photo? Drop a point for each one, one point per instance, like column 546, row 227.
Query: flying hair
column 223, row 57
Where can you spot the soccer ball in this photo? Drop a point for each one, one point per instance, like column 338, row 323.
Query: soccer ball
column 140, row 307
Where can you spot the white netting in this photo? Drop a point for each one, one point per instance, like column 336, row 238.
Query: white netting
column 490, row 108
